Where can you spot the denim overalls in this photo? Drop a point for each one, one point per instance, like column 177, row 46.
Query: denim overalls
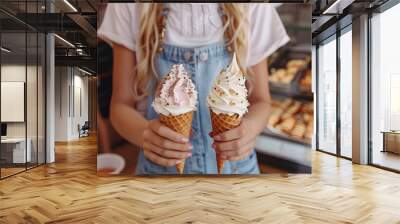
column 203, row 64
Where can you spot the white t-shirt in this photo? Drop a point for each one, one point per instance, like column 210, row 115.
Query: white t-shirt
column 196, row 25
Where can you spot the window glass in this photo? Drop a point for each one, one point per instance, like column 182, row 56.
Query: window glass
column 15, row 150
column 385, row 87
column 327, row 96
column 22, row 89
column 346, row 94
column 31, row 100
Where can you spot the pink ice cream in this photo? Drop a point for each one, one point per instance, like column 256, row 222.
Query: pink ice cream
column 177, row 94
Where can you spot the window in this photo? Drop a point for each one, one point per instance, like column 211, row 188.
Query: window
column 385, row 89
column 22, row 78
column 327, row 96
column 346, row 95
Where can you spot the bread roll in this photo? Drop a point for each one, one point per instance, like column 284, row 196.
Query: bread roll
column 299, row 130
column 288, row 125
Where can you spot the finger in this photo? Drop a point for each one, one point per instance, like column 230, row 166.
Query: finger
column 230, row 135
column 169, row 154
column 167, row 144
column 211, row 134
column 166, row 132
column 159, row 160
column 227, row 146
column 237, row 153
column 232, row 145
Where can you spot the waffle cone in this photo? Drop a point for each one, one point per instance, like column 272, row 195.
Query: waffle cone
column 181, row 124
column 220, row 124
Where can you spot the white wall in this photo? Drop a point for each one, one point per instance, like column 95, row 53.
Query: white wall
column 13, row 73
column 71, row 87
column 33, row 126
column 16, row 73
column 61, row 103
column 81, row 102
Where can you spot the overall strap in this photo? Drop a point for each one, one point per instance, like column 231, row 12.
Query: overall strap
column 164, row 15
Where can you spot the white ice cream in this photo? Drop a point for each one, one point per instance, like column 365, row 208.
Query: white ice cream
column 229, row 93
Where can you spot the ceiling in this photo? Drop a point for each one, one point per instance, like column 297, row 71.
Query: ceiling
column 19, row 54
column 57, row 5
column 73, row 20
column 332, row 15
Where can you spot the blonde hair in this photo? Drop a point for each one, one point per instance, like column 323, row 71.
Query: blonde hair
column 151, row 25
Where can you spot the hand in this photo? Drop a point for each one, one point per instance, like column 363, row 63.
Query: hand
column 164, row 146
column 238, row 143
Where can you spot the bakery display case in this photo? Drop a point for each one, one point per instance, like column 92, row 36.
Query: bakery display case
column 286, row 140
column 290, row 82
column 291, row 119
column 290, row 74
column 292, row 112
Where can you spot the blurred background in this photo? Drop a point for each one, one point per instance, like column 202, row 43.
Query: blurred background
column 285, row 144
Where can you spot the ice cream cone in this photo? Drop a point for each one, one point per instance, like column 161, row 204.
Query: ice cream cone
column 227, row 101
column 220, row 124
column 175, row 102
column 181, row 124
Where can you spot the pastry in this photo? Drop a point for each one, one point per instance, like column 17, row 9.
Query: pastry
column 305, row 82
column 275, row 116
column 299, row 130
column 296, row 63
column 288, row 124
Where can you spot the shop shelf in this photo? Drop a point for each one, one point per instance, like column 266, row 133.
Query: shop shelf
column 282, row 136
column 291, row 89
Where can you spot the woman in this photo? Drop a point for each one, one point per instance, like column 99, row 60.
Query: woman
column 149, row 38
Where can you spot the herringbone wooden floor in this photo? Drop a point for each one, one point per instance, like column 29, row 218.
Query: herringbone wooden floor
column 70, row 192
